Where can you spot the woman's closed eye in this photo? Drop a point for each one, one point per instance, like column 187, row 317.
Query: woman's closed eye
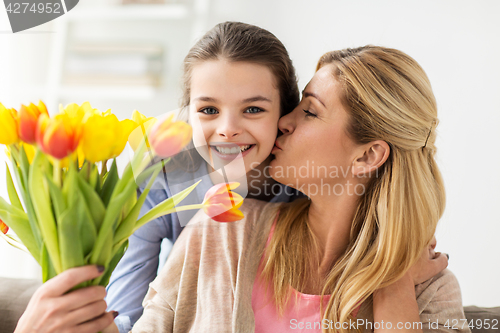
column 254, row 109
column 309, row 113
column 209, row 111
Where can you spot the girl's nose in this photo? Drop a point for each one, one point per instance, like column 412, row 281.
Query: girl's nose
column 229, row 127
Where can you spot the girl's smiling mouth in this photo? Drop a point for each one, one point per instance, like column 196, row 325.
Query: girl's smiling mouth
column 230, row 151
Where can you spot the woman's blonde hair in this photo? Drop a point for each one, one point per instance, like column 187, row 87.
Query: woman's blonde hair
column 387, row 96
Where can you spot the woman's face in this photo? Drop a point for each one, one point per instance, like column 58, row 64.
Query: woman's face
column 314, row 153
column 234, row 109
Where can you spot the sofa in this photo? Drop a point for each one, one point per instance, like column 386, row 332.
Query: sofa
column 15, row 294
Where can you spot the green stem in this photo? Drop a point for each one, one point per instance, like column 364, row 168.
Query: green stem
column 146, row 218
column 187, row 207
column 104, row 168
column 57, row 172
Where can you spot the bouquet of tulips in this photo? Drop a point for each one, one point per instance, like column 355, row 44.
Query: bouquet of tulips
column 68, row 209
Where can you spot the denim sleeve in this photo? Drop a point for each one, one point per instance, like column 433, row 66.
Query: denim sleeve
column 130, row 280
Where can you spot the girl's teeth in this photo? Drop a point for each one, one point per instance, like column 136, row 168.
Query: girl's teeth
column 233, row 150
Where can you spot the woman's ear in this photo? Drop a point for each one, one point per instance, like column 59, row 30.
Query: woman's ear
column 371, row 157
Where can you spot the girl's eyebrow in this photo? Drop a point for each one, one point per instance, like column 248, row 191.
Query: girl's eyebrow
column 258, row 98
column 205, row 99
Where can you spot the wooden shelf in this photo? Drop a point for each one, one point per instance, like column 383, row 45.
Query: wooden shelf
column 108, row 92
column 129, row 12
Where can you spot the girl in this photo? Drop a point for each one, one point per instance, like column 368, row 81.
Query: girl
column 238, row 81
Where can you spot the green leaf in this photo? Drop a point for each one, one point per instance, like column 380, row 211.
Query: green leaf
column 85, row 170
column 14, row 242
column 78, row 203
column 125, row 228
column 148, row 172
column 93, row 202
column 21, row 173
column 104, row 279
column 70, row 240
column 42, row 205
column 109, row 184
column 105, row 234
column 11, row 189
column 48, row 271
column 165, row 206
column 95, row 179
column 56, row 196
column 69, row 185
column 17, row 220
column 87, row 228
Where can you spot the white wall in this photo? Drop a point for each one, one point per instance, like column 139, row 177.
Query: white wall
column 456, row 42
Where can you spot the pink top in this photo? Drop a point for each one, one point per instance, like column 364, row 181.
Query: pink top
column 302, row 315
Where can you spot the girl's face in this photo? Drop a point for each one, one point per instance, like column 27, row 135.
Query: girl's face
column 234, row 111
column 314, row 147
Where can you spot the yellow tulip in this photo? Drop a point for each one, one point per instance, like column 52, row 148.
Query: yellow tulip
column 9, row 132
column 104, row 137
column 142, row 126
column 127, row 126
column 28, row 118
column 170, row 137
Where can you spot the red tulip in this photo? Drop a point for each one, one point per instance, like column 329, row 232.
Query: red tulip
column 28, row 119
column 222, row 204
column 56, row 136
column 3, row 227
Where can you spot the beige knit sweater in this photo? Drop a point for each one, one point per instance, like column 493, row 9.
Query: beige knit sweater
column 206, row 283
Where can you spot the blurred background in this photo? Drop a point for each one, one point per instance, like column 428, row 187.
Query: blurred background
column 124, row 56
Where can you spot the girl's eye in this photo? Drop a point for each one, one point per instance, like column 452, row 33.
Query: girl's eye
column 309, row 113
column 253, row 109
column 208, row 111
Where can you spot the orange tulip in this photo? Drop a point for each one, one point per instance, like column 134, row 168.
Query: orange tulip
column 56, row 136
column 222, row 204
column 3, row 227
column 28, row 119
column 169, row 137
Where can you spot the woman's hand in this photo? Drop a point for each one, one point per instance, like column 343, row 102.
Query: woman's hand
column 52, row 309
column 429, row 264
column 397, row 302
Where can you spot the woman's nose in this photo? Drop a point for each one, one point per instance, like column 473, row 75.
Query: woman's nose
column 286, row 123
column 229, row 127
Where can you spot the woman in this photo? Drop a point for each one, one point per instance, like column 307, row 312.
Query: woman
column 364, row 133
column 238, row 81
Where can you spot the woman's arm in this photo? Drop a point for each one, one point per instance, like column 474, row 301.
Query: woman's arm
column 395, row 306
column 53, row 309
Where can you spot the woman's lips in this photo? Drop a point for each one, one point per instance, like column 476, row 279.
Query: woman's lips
column 231, row 157
column 276, row 147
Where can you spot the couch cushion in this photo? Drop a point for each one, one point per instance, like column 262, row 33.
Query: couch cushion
column 14, row 297
column 481, row 317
